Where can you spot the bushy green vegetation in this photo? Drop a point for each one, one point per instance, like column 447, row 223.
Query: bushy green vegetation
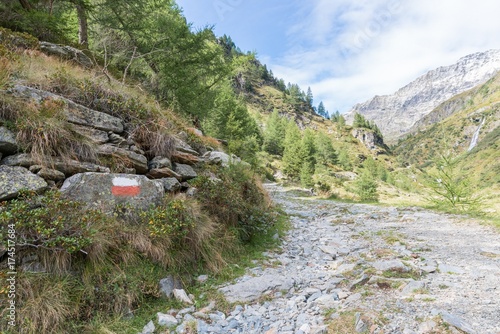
column 452, row 187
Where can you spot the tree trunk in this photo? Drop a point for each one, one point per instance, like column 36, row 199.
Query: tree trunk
column 26, row 5
column 83, row 33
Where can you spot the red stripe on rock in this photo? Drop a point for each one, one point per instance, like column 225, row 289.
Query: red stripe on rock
column 128, row 191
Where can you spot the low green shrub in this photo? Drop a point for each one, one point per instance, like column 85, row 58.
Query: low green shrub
column 236, row 201
column 49, row 223
column 12, row 40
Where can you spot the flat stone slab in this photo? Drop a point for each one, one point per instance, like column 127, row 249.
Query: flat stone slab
column 75, row 113
column 457, row 322
column 254, row 288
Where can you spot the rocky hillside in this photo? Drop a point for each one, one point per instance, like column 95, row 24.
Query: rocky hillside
column 105, row 193
column 396, row 114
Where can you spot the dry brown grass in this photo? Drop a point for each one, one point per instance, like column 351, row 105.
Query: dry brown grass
column 5, row 72
column 44, row 132
column 155, row 138
column 43, row 304
column 343, row 324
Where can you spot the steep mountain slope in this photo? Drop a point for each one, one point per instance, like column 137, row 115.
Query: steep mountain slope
column 396, row 114
column 453, row 124
column 466, row 126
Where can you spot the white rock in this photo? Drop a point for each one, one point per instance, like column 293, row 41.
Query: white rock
column 166, row 320
column 182, row 296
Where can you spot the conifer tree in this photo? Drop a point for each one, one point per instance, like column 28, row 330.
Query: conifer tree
column 321, row 109
column 274, row 134
column 292, row 159
column 309, row 97
column 308, row 157
column 325, row 153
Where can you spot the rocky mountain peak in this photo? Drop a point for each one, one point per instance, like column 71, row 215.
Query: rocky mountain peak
column 395, row 114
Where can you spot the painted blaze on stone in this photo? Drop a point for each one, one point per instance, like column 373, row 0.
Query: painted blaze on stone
column 106, row 191
column 126, row 187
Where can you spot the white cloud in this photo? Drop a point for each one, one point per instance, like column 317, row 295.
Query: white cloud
column 348, row 52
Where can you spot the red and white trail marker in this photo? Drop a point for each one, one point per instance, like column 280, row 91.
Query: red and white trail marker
column 123, row 186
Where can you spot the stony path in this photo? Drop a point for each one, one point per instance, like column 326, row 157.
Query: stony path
column 377, row 269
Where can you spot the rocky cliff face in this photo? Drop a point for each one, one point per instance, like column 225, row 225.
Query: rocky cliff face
column 395, row 114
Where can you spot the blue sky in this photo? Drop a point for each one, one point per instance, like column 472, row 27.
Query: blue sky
column 348, row 51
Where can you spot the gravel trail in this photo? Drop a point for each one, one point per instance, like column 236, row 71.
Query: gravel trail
column 374, row 269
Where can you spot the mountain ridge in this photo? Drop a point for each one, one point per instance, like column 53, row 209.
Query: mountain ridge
column 397, row 113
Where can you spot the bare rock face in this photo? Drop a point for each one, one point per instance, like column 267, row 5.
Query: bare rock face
column 396, row 114
column 15, row 179
column 369, row 138
column 67, row 53
column 106, row 191
column 75, row 113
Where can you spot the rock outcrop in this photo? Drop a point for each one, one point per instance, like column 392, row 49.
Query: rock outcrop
column 15, row 179
column 68, row 167
column 67, row 53
column 369, row 139
column 8, row 143
column 395, row 114
column 115, row 149
column 75, row 113
column 220, row 158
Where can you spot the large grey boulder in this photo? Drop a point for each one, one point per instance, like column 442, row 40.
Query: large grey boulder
column 8, row 143
column 137, row 161
column 68, row 167
column 185, row 171
column 220, row 158
column 106, row 191
column 75, row 113
column 67, row 53
column 15, row 179
column 171, row 184
column 168, row 285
